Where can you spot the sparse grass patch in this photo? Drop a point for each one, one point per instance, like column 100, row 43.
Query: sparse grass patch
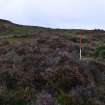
column 15, row 39
column 12, row 40
column 65, row 99
column 68, row 35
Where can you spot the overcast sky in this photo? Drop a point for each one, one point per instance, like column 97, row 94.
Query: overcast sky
column 85, row 14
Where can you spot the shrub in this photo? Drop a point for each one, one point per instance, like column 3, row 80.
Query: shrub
column 100, row 52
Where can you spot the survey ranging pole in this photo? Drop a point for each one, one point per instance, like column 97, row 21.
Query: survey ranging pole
column 81, row 45
column 90, row 41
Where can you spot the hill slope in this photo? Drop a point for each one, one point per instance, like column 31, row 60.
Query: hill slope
column 41, row 66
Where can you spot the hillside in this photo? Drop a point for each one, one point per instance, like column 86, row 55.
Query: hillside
column 41, row 66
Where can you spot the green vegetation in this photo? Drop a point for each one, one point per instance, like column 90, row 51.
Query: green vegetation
column 65, row 99
column 12, row 40
column 100, row 52
column 10, row 98
column 16, row 39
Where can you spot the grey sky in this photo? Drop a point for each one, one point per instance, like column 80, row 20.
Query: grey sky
column 86, row 14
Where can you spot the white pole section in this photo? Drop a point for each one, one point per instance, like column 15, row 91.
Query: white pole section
column 80, row 46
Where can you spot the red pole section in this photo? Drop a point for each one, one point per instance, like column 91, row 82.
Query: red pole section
column 81, row 41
